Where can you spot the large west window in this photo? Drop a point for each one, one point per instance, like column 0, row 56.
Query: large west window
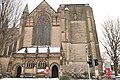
column 42, row 30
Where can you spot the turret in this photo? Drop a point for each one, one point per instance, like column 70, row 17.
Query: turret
column 23, row 24
column 26, row 11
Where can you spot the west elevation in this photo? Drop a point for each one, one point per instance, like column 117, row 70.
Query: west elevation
column 54, row 42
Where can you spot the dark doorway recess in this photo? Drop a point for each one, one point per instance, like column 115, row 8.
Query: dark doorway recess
column 18, row 72
column 54, row 71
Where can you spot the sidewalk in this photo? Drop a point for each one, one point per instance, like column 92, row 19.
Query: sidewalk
column 30, row 79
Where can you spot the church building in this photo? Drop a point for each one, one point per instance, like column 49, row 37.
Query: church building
column 54, row 42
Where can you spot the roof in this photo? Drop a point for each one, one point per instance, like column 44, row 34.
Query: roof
column 41, row 50
column 41, row 5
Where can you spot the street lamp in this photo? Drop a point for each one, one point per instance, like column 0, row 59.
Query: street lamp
column 86, row 51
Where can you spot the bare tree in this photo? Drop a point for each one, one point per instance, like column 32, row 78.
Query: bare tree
column 10, row 11
column 111, row 39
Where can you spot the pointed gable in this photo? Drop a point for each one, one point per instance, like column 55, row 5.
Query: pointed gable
column 43, row 6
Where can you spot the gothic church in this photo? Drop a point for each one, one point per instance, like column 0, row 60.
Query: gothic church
column 54, row 42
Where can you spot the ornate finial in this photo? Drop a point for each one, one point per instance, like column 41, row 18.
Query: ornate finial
column 26, row 51
column 37, row 50
column 48, row 49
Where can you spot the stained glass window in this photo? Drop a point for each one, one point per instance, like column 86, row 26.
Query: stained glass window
column 42, row 30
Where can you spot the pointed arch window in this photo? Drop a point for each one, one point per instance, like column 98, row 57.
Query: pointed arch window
column 30, row 64
column 42, row 30
column 42, row 64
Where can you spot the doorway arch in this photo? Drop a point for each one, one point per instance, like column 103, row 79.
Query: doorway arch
column 19, row 69
column 54, row 71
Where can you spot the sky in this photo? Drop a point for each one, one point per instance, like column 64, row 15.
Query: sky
column 102, row 9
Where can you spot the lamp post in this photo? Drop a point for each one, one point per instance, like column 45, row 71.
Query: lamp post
column 86, row 50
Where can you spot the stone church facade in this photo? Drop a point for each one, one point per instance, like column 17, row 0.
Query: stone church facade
column 53, row 43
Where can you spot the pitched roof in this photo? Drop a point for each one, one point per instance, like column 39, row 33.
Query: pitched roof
column 43, row 4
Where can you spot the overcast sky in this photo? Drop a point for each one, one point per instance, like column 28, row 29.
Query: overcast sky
column 102, row 9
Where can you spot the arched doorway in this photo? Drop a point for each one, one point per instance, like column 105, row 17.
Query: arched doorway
column 18, row 72
column 54, row 71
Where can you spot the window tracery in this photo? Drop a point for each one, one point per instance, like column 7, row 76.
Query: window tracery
column 30, row 64
column 42, row 64
column 42, row 30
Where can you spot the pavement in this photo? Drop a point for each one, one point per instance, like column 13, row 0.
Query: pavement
column 29, row 79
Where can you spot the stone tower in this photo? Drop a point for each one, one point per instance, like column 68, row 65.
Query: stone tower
column 78, row 31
